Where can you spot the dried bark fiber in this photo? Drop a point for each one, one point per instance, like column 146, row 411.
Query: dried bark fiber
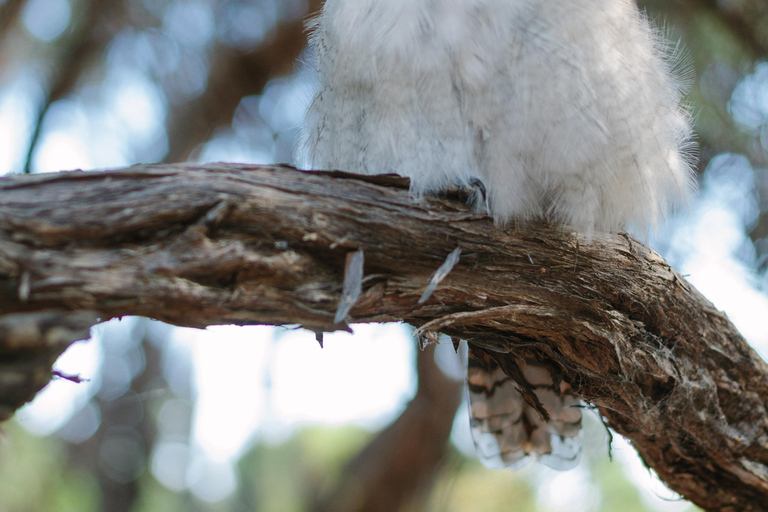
column 199, row 245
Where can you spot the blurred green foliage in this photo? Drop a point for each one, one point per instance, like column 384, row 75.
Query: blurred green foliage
column 287, row 477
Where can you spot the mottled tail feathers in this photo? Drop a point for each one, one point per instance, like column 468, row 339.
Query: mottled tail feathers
column 507, row 430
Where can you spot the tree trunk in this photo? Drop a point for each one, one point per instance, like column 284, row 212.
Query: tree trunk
column 397, row 469
column 199, row 245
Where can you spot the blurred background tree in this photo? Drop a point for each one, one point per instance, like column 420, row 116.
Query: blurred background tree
column 108, row 83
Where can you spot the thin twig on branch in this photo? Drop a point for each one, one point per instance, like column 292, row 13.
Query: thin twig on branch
column 198, row 245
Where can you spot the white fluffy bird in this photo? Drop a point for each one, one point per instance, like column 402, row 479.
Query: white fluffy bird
column 566, row 110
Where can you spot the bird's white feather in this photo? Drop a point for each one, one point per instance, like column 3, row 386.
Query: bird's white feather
column 565, row 110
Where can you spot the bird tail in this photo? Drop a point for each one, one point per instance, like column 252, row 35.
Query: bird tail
column 507, row 430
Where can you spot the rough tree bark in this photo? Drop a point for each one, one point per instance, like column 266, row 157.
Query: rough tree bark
column 200, row 245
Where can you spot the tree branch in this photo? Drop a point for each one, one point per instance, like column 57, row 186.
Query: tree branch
column 199, row 245
column 234, row 75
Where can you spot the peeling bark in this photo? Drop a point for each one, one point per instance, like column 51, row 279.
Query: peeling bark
column 198, row 245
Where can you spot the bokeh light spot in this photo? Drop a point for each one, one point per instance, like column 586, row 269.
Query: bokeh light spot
column 46, row 19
